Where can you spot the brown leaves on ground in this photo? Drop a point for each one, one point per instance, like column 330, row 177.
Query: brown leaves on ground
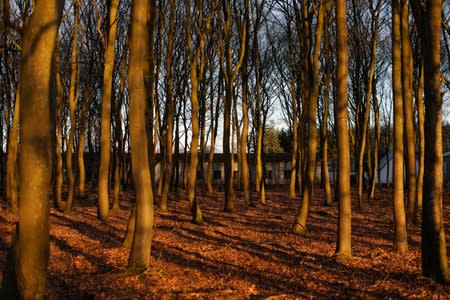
column 247, row 254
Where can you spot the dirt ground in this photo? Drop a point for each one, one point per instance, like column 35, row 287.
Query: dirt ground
column 250, row 254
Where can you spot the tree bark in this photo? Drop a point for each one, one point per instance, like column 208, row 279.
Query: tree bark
column 73, row 99
column 36, row 151
column 434, row 251
column 105, row 149
column 344, row 241
column 139, row 259
column 302, row 216
column 408, row 113
column 11, row 158
column 170, row 107
column 400, row 239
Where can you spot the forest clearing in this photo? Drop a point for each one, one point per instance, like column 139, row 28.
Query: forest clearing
column 250, row 254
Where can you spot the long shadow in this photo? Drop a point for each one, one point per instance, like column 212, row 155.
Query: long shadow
column 108, row 239
column 252, row 248
column 273, row 284
column 64, row 246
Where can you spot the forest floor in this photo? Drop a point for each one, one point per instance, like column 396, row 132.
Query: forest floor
column 250, row 254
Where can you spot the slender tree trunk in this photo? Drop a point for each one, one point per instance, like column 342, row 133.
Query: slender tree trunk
column 365, row 125
column 11, row 158
column 170, row 107
column 118, row 151
column 421, row 122
column 31, row 248
column 149, row 85
column 82, row 140
column 344, row 241
column 73, row 99
column 244, row 171
column 229, row 73
column 408, row 113
column 214, row 126
column 324, row 140
column 376, row 151
column 434, row 250
column 400, row 239
column 58, row 202
column 105, row 150
column 302, row 216
column 139, row 259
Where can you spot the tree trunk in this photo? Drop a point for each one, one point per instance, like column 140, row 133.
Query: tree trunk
column 365, row 125
column 324, row 141
column 214, row 126
column 170, row 107
column 420, row 124
column 11, row 158
column 434, row 251
column 105, row 150
column 59, row 180
column 139, row 259
column 35, row 155
column 344, row 241
column 408, row 112
column 376, row 152
column 400, row 239
column 302, row 216
column 73, row 99
column 82, row 139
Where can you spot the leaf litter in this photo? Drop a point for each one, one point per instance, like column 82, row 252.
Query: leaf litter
column 249, row 254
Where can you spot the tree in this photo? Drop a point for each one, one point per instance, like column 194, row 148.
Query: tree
column 229, row 74
column 245, row 170
column 400, row 239
column 73, row 99
column 139, row 259
column 197, row 58
column 344, row 242
column 105, row 150
column 434, row 252
column 408, row 111
column 170, row 109
column 272, row 140
column 299, row 226
column 31, row 246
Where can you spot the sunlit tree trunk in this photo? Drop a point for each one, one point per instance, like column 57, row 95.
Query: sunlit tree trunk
column 170, row 107
column 376, row 156
column 197, row 68
column 434, row 250
column 229, row 73
column 408, row 112
column 149, row 85
column 105, row 147
column 245, row 170
column 73, row 99
column 11, row 157
column 82, row 139
column 365, row 125
column 58, row 202
column 139, row 259
column 302, row 216
column 420, row 124
column 344, row 241
column 324, row 126
column 31, row 247
column 324, row 141
column 400, row 238
column 214, row 126
column 118, row 151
